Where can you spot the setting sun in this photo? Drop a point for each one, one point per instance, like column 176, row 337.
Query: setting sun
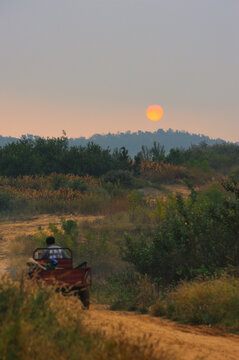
column 154, row 112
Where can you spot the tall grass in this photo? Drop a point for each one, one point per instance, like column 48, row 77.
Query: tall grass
column 58, row 193
column 162, row 172
column 88, row 204
column 126, row 290
column 96, row 243
column 37, row 323
column 210, row 302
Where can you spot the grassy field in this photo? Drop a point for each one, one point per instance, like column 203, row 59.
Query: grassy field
column 214, row 302
column 37, row 323
column 119, row 247
column 168, row 250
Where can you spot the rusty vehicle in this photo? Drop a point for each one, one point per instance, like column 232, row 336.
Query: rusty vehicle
column 61, row 273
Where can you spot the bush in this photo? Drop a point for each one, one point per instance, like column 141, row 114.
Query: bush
column 162, row 172
column 118, row 290
column 193, row 236
column 79, row 184
column 57, row 181
column 211, row 302
column 37, row 323
column 127, row 290
column 219, row 157
column 5, row 201
column 121, row 177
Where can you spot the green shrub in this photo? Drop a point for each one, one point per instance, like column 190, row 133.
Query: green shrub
column 135, row 199
column 122, row 177
column 58, row 181
column 193, row 236
column 5, row 201
column 219, row 157
column 126, row 290
column 119, row 291
column 79, row 184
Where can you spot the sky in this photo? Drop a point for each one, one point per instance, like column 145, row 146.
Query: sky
column 94, row 66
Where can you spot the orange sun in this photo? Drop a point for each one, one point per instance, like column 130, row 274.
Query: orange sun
column 154, row 112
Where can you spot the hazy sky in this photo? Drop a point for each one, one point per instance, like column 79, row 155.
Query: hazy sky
column 93, row 66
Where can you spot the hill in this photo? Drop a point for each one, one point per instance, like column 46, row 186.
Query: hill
column 134, row 141
column 4, row 140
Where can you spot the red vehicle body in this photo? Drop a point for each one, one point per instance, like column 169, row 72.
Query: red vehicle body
column 64, row 276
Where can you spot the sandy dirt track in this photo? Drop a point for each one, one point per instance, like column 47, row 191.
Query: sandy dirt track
column 9, row 230
column 184, row 342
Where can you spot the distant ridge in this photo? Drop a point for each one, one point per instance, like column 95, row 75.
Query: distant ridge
column 133, row 141
column 4, row 140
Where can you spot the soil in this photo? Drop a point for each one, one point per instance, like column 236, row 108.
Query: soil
column 174, row 189
column 184, row 342
column 9, row 230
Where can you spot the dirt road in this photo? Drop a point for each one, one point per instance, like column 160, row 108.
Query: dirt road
column 9, row 230
column 185, row 342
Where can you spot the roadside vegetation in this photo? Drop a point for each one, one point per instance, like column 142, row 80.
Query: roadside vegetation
column 140, row 256
column 47, row 176
column 37, row 323
column 168, row 254
column 214, row 302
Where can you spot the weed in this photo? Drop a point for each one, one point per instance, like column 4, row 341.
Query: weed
column 211, row 302
column 37, row 323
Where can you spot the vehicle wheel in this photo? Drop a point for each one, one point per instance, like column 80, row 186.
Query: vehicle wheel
column 84, row 296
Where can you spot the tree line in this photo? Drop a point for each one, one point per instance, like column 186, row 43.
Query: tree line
column 30, row 156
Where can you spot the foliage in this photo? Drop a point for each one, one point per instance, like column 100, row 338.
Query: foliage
column 136, row 203
column 37, row 323
column 127, row 290
column 162, row 172
column 134, row 141
column 122, row 159
column 219, row 157
column 118, row 290
column 193, row 236
column 5, row 201
column 231, row 184
column 53, row 193
column 155, row 154
column 40, row 156
column 45, row 156
column 119, row 177
column 80, row 185
column 135, row 199
column 210, row 302
column 86, row 242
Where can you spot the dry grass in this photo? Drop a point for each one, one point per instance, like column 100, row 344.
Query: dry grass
column 18, row 239
column 211, row 302
column 162, row 172
column 37, row 323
